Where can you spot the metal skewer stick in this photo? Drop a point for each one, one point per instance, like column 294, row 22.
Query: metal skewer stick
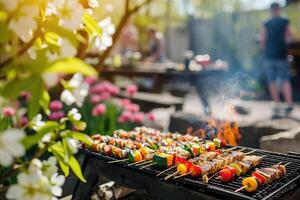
column 145, row 166
column 117, row 161
column 160, row 173
column 182, row 175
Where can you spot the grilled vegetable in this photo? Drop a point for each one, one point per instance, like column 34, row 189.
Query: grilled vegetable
column 135, row 156
column 181, row 168
column 250, row 184
column 226, row 175
column 239, row 170
column 261, row 179
column 163, row 160
column 179, row 160
column 218, row 143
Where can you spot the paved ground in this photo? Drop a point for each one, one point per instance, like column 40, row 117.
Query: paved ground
column 224, row 108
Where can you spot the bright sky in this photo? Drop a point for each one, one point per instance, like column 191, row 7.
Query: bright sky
column 260, row 4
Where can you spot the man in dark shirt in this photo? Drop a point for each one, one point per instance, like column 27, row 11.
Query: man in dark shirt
column 275, row 36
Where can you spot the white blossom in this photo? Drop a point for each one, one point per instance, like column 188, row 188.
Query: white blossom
column 9, row 5
column 37, row 122
column 70, row 13
column 77, row 92
column 49, row 166
column 57, row 182
column 105, row 41
column 74, row 114
column 11, row 146
column 51, row 79
column 34, row 185
column 72, row 145
column 24, row 24
column 67, row 49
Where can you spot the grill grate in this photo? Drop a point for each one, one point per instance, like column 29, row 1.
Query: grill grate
column 227, row 189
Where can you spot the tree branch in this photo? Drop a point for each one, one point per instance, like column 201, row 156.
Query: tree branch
column 22, row 50
column 117, row 34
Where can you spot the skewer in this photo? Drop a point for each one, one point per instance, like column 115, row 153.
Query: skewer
column 230, row 148
column 147, row 162
column 169, row 176
column 182, row 175
column 250, row 152
column 145, row 166
column 213, row 176
column 164, row 171
column 241, row 188
column 136, row 162
column 117, row 161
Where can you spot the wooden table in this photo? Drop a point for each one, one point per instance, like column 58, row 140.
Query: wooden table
column 160, row 74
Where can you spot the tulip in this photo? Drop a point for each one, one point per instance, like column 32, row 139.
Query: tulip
column 56, row 105
column 138, row 117
column 99, row 110
column 8, row 111
column 131, row 90
column 95, row 99
column 150, row 117
column 56, row 115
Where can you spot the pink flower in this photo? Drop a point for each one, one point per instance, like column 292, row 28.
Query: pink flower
column 131, row 90
column 138, row 117
column 56, row 105
column 150, row 117
column 125, row 117
column 90, row 80
column 125, row 102
column 24, row 121
column 105, row 96
column 97, row 89
column 133, row 107
column 98, row 110
column 25, row 95
column 56, row 115
column 8, row 111
column 114, row 90
column 95, row 99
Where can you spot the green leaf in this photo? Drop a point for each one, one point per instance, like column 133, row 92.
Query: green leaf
column 74, row 165
column 31, row 140
column 81, row 137
column 36, row 95
column 92, row 25
column 66, row 150
column 13, row 88
column 44, row 102
column 72, row 66
column 58, row 151
column 64, row 167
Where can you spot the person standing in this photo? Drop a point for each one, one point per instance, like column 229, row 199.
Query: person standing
column 156, row 46
column 275, row 35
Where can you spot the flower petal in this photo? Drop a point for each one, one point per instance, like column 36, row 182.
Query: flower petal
column 5, row 158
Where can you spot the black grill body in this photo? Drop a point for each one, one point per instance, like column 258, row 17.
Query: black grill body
column 96, row 168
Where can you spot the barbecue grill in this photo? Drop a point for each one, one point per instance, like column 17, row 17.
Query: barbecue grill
column 96, row 166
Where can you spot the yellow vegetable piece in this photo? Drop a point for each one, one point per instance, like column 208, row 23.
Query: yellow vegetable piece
column 251, row 184
column 137, row 156
column 181, row 168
